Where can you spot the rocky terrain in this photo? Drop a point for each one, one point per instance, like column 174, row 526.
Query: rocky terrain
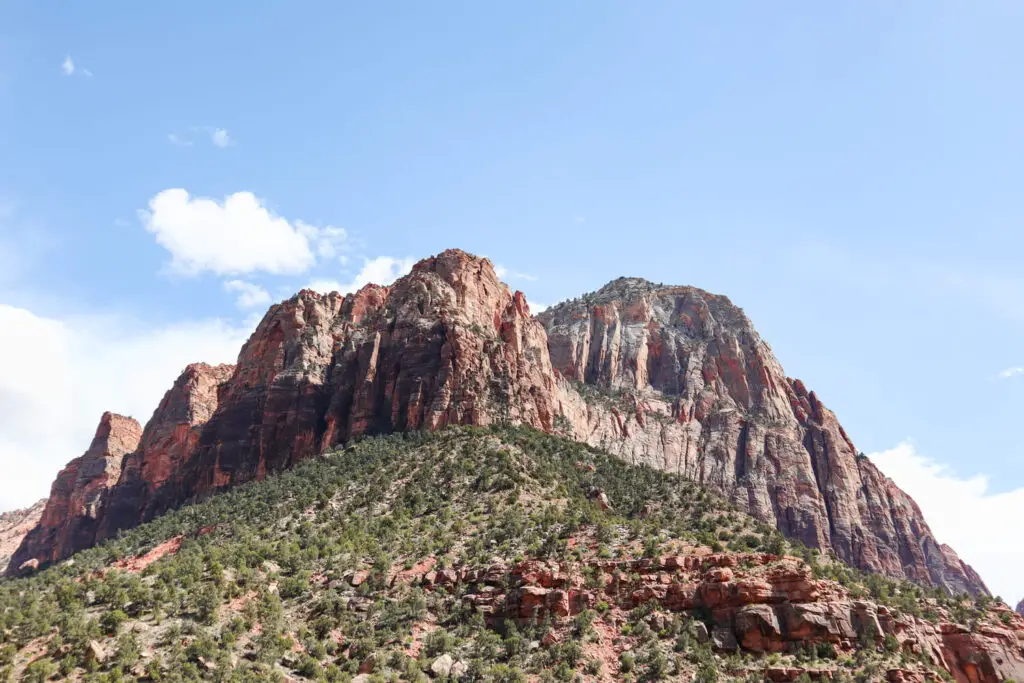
column 14, row 525
column 668, row 376
column 500, row 555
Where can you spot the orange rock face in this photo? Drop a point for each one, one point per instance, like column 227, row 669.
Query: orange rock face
column 79, row 496
column 694, row 390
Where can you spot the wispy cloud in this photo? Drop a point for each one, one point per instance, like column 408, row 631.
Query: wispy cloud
column 178, row 141
column 250, row 295
column 69, row 68
column 1011, row 372
column 382, row 270
column 219, row 137
column 504, row 273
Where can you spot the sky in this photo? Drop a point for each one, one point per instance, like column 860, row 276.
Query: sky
column 848, row 173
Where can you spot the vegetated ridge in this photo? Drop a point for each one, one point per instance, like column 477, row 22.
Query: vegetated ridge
column 500, row 554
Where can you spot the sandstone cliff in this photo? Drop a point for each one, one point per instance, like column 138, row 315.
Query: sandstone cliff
column 701, row 394
column 673, row 377
column 79, row 495
column 14, row 525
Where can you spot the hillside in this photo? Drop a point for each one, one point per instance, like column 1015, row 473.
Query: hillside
column 498, row 554
column 673, row 377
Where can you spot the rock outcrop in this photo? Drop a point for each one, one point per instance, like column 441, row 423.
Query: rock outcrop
column 670, row 376
column 699, row 393
column 80, row 494
column 1020, row 608
column 14, row 526
column 757, row 602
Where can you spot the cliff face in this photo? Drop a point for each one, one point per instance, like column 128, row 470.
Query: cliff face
column 701, row 394
column 670, row 376
column 79, row 495
column 14, row 526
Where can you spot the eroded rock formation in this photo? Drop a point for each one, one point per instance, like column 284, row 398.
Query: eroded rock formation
column 671, row 376
column 80, row 494
column 701, row 394
column 757, row 602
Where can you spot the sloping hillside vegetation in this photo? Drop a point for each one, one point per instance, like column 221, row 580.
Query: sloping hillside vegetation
column 499, row 554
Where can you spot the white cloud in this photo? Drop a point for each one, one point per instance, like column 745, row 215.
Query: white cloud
column 537, row 307
column 1011, row 372
column 69, row 68
column 382, row 270
column 982, row 526
column 238, row 235
column 220, row 137
column 69, row 371
column 504, row 273
column 249, row 295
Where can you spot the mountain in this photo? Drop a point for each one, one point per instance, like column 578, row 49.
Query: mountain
column 14, row 525
column 499, row 554
column 669, row 376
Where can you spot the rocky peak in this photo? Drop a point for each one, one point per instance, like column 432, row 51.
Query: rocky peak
column 671, row 376
column 701, row 394
column 80, row 493
column 1020, row 608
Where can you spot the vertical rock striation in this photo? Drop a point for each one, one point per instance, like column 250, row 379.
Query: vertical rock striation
column 696, row 391
column 79, row 495
column 670, row 376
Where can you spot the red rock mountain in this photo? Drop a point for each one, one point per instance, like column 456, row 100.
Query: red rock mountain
column 671, row 376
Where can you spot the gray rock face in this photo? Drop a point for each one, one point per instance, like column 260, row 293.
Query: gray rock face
column 701, row 394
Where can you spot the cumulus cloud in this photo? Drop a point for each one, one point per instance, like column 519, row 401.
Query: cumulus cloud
column 250, row 295
column 982, row 526
column 382, row 270
column 234, row 236
column 220, row 138
column 537, row 307
column 69, row 371
column 1011, row 372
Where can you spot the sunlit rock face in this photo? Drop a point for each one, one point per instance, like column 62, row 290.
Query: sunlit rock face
column 673, row 377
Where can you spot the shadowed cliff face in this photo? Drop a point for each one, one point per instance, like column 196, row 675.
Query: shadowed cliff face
column 671, row 376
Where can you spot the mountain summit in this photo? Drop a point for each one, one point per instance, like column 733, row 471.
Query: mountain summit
column 673, row 377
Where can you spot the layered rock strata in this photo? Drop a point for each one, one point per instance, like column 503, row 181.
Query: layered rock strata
column 670, row 376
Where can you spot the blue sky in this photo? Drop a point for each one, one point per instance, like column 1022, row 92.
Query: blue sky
column 848, row 173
